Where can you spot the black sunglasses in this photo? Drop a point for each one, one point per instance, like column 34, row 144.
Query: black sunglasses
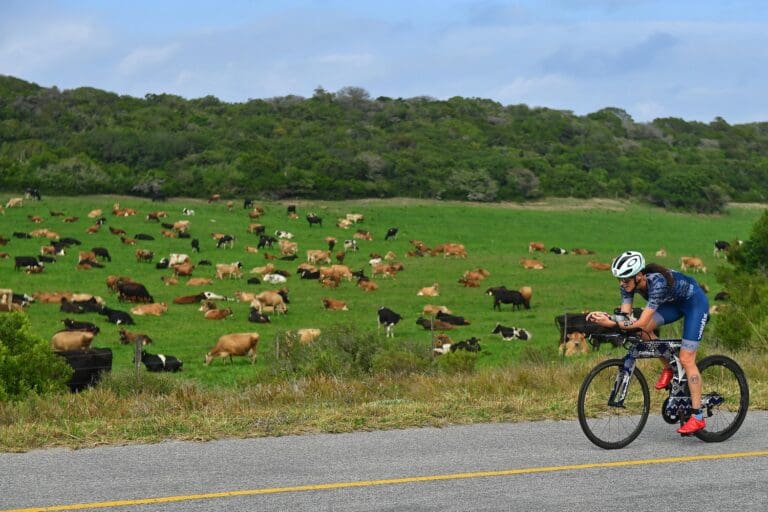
column 626, row 280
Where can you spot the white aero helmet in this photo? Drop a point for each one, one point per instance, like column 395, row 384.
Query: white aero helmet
column 627, row 264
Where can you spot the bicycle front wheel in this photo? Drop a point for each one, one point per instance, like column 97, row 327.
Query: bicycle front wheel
column 724, row 396
column 612, row 426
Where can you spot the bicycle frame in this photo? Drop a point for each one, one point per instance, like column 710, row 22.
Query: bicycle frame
column 678, row 404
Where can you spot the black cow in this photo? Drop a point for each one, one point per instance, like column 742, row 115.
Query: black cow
column 452, row 319
column 195, row 243
column 259, row 318
column 391, row 233
column 143, row 236
column 167, row 225
column 26, row 262
column 503, row 296
column 117, row 317
column 69, row 241
column 312, row 218
column 46, row 259
column 224, row 241
column 21, row 235
column 22, row 299
column 184, row 234
column 265, row 241
column 163, row 263
column 470, row 345
column 308, row 274
column 33, row 193
column 160, row 362
column 66, row 306
column 331, row 244
column 291, row 209
column 721, row 246
column 88, row 366
column 204, row 263
column 253, row 280
column 133, row 292
column 511, row 333
column 76, row 325
column 88, row 306
column 389, row 319
column 102, row 252
column 247, row 203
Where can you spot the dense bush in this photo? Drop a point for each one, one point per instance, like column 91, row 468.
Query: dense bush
column 27, row 364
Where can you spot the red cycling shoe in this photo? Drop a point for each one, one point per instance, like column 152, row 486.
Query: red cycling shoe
column 691, row 426
column 665, row 378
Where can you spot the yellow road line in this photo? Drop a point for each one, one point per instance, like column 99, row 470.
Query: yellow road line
column 389, row 481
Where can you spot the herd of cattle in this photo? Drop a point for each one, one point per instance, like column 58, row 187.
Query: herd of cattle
column 325, row 265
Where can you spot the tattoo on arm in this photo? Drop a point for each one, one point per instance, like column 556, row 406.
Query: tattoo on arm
column 695, row 379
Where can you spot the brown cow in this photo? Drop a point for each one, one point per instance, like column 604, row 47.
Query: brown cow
column 693, row 263
column 334, row 304
column 156, row 309
column 531, row 264
column 429, row 291
column 599, row 265
column 235, row 344
column 72, row 340
column 536, row 246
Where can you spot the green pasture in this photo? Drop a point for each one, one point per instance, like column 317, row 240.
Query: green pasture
column 496, row 238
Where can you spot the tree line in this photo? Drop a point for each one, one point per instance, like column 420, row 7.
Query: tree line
column 345, row 144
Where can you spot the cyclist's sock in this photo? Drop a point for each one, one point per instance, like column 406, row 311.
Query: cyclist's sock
column 698, row 414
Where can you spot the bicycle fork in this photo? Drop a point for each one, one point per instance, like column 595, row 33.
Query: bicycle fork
column 619, row 391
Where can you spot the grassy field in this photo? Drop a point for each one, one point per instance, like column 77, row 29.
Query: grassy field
column 496, row 237
column 516, row 380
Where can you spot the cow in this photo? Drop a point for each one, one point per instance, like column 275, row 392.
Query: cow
column 501, row 295
column 351, row 245
column 130, row 338
column 217, row 314
column 88, row 366
column 693, row 263
column 143, row 236
column 75, row 325
column 256, row 317
column 183, row 269
column 285, row 235
column 429, row 291
column 15, row 202
column 575, row 343
column 558, row 250
column 388, row 319
column 391, row 233
column 581, row 251
column 144, row 255
column 72, row 340
column 288, row 248
column 265, row 241
column 225, row 241
column 101, row 252
column 531, row 264
column 536, row 247
column 117, row 317
column 432, row 310
column 34, row 193
column 433, row 324
column 235, row 344
column 334, row 304
column 312, row 218
column 273, row 299
column 133, row 292
column 721, row 246
column 367, row 285
column 598, row 265
column 160, row 362
column 354, row 217
column 470, row 345
column 231, row 270
column 511, row 333
column 274, row 278
column 661, row 253
column 26, row 262
column 452, row 319
column 189, row 212
column 177, row 258
column 156, row 309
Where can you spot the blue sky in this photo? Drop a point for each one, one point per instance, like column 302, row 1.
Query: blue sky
column 691, row 59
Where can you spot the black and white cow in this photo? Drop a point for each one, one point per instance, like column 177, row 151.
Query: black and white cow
column 391, row 233
column 116, row 317
column 470, row 345
column 511, row 333
column 160, row 362
column 558, row 250
column 256, row 317
column 225, row 241
column 312, row 218
column 351, row 245
column 721, row 246
column 76, row 325
column 26, row 262
column 388, row 319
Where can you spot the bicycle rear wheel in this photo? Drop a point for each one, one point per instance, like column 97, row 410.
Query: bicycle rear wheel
column 724, row 385
column 608, row 426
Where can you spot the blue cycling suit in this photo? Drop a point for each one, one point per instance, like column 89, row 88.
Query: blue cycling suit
column 685, row 298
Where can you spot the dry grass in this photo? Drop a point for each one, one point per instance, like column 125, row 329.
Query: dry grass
column 165, row 409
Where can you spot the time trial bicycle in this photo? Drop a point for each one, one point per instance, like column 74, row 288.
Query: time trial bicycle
column 614, row 401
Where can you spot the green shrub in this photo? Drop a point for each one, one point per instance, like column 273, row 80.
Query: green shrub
column 460, row 361
column 27, row 364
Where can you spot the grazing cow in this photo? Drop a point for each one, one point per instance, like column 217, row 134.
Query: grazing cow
column 433, row 324
column 133, row 292
column 75, row 325
column 72, row 340
column 160, row 362
column 693, row 263
column 429, row 291
column 452, row 319
column 26, row 262
column 156, row 309
column 101, row 252
column 501, row 295
column 257, row 229
column 536, row 247
column 558, row 250
column 88, row 366
column 235, row 344
column 31, row 192
column 721, row 246
column 144, row 255
column 117, row 317
column 351, row 245
column 231, row 270
column 531, row 264
column 391, row 233
column 575, row 343
column 597, row 265
column 388, row 319
column 265, row 241
column 225, row 241
column 312, row 218
column 15, row 202
column 130, row 338
column 511, row 333
column 334, row 304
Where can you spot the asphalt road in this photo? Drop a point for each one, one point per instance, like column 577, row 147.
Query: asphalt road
column 525, row 466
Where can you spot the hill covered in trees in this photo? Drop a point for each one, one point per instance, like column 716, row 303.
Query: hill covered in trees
column 349, row 145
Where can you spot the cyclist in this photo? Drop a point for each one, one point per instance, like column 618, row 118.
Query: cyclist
column 670, row 295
